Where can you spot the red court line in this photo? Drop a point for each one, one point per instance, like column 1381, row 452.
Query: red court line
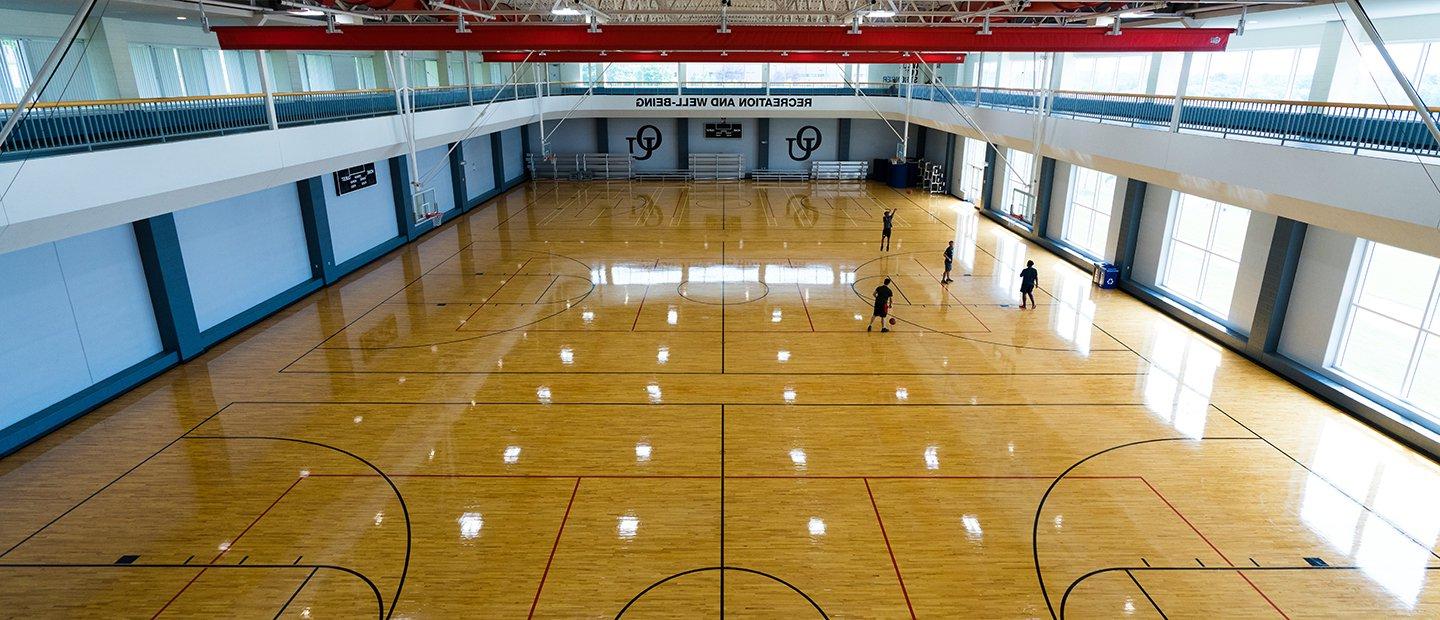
column 903, row 591
column 1213, row 547
column 227, row 548
column 643, row 296
column 803, row 303
column 554, row 548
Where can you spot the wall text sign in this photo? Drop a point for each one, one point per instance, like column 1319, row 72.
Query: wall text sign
column 724, row 102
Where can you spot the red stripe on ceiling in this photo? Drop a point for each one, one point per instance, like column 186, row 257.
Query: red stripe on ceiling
column 878, row 58
column 522, row 37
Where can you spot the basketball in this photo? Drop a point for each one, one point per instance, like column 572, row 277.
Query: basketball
column 892, row 320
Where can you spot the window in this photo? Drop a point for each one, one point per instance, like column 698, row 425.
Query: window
column 1391, row 337
column 972, row 171
column 365, row 73
column 1126, row 73
column 713, row 75
column 1284, row 73
column 1363, row 77
column 1018, row 200
column 318, row 73
column 1202, row 251
column 1087, row 216
column 168, row 71
column 643, row 74
column 807, row 74
column 21, row 58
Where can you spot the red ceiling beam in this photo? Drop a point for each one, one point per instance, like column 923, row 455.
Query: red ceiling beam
column 869, row 58
column 640, row 38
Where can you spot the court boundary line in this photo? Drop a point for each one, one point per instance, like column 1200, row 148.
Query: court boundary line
column 379, row 600
column 1205, row 569
column 555, row 547
column 889, row 549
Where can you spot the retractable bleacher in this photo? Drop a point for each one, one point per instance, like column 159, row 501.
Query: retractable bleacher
column 855, row 171
column 717, row 167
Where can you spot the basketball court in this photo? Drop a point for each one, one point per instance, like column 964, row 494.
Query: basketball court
column 652, row 400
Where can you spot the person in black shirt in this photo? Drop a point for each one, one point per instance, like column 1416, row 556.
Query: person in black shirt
column 949, row 260
column 1028, row 279
column 885, row 233
column 882, row 306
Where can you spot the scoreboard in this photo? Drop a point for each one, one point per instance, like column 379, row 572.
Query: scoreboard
column 722, row 130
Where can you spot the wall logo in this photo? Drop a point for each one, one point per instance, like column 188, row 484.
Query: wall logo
column 808, row 139
column 648, row 138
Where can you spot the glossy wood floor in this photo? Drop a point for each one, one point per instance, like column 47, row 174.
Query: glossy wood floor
column 660, row 401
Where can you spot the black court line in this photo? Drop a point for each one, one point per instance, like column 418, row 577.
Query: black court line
column 722, row 569
column 405, row 510
column 722, row 510
column 1208, row 569
column 379, row 601
column 1332, row 485
column 1131, row 574
column 1040, row 508
column 112, row 482
column 296, row 593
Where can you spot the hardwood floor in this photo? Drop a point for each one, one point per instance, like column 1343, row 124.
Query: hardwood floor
column 660, row 400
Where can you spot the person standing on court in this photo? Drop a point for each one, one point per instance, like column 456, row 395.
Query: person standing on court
column 882, row 306
column 949, row 260
column 1028, row 279
column 885, row 233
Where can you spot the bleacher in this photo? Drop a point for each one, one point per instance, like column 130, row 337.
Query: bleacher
column 767, row 174
column 717, row 167
column 839, row 170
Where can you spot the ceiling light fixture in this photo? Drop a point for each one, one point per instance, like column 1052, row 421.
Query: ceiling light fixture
column 879, row 14
column 181, row 17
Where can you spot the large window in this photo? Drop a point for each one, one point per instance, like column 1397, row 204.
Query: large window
column 168, row 71
column 1391, row 336
column 1202, row 251
column 1087, row 215
column 1259, row 74
column 643, row 74
column 713, row 74
column 1363, row 77
column 21, row 58
column 1018, row 199
column 972, row 170
column 1111, row 73
column 828, row 74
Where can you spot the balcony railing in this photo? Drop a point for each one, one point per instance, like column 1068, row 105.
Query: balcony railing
column 66, row 127
column 1350, row 126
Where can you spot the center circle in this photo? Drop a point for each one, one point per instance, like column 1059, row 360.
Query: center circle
column 723, row 293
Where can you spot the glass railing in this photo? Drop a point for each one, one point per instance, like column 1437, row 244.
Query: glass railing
column 74, row 126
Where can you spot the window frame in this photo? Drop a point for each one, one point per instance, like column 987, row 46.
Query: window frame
column 1345, row 327
column 1209, row 254
column 1067, row 231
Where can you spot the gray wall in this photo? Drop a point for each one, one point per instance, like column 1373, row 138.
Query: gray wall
column 1318, row 293
column 479, row 166
column 1154, row 218
column 667, row 157
column 784, row 129
column 1252, row 271
column 747, row 145
column 362, row 219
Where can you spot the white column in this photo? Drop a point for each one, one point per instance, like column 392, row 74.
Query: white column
column 267, row 89
column 1180, row 91
column 1327, row 60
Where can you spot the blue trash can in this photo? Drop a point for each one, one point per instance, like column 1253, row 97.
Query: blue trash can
column 1106, row 275
column 900, row 175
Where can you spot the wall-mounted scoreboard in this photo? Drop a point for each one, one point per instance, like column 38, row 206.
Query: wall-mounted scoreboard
column 351, row 179
column 722, row 130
